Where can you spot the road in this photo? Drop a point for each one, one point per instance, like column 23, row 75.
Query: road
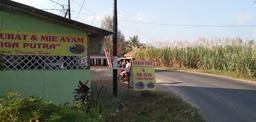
column 218, row 99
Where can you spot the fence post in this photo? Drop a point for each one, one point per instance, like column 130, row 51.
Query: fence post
column 1, row 61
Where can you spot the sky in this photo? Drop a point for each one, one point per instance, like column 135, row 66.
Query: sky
column 165, row 20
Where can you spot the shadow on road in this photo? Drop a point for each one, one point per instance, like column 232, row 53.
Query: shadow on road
column 171, row 83
column 165, row 70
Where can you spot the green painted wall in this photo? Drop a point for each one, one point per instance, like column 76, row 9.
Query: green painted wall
column 56, row 86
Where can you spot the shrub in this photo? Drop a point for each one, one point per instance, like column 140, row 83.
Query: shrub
column 14, row 108
column 86, row 100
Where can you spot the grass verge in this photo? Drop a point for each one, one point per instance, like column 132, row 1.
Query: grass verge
column 230, row 74
column 225, row 73
column 157, row 107
column 137, row 107
column 132, row 107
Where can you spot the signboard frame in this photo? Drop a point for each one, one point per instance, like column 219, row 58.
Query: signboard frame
column 143, row 75
column 47, row 44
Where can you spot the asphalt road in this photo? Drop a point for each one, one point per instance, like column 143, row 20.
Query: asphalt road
column 218, row 99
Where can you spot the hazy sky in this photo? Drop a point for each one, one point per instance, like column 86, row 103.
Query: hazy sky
column 164, row 20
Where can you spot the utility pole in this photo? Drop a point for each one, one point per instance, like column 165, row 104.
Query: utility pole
column 115, row 84
column 69, row 13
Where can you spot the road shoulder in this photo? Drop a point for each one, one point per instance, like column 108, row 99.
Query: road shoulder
column 249, row 82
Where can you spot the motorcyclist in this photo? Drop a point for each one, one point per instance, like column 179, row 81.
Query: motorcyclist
column 127, row 70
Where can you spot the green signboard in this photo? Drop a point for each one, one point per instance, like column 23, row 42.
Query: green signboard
column 143, row 76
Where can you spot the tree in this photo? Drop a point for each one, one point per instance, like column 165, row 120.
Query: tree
column 107, row 23
column 133, row 42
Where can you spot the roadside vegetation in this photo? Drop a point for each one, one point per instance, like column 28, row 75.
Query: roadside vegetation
column 123, row 46
column 234, row 57
column 157, row 107
column 100, row 106
column 16, row 108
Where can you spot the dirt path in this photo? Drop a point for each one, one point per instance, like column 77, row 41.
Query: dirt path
column 102, row 76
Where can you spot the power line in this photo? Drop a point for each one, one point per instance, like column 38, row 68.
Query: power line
column 67, row 11
column 190, row 25
column 58, row 4
column 91, row 11
column 62, row 6
column 80, row 9
column 139, row 33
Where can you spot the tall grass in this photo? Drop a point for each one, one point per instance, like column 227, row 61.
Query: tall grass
column 230, row 55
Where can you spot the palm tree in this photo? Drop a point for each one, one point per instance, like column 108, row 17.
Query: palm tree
column 134, row 42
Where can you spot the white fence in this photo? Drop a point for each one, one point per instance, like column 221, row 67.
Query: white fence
column 14, row 62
